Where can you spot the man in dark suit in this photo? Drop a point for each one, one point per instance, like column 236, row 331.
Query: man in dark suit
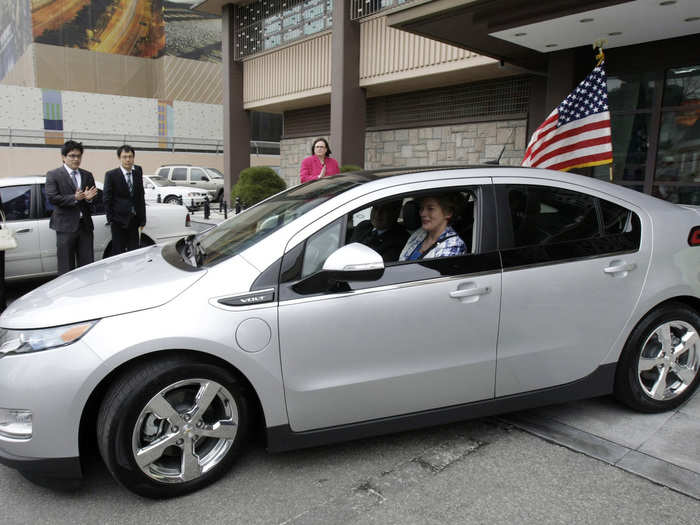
column 125, row 204
column 71, row 189
column 381, row 232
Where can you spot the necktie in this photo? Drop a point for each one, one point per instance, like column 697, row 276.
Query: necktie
column 75, row 179
column 130, row 182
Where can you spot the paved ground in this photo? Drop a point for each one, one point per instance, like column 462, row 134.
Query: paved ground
column 484, row 471
column 664, row 448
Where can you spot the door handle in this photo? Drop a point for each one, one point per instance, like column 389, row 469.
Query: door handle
column 24, row 230
column 470, row 292
column 619, row 268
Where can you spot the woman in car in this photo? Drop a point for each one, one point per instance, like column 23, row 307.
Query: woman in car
column 319, row 163
column 435, row 237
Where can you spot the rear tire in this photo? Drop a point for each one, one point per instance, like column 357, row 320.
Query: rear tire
column 169, row 427
column 658, row 369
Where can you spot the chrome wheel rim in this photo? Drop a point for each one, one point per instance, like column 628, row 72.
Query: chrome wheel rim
column 669, row 360
column 185, row 430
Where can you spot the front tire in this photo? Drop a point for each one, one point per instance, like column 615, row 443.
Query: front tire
column 659, row 366
column 172, row 426
column 171, row 199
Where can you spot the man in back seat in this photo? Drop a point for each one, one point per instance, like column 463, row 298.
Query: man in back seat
column 381, row 232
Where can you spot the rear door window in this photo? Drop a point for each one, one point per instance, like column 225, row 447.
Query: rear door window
column 179, row 174
column 544, row 224
column 17, row 202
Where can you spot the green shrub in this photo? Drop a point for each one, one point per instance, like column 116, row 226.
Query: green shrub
column 350, row 167
column 255, row 184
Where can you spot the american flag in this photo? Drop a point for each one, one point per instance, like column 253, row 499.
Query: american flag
column 577, row 132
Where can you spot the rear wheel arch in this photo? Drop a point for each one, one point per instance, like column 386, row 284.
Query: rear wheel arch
column 626, row 388
column 87, row 434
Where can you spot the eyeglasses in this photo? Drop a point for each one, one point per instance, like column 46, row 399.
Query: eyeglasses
column 74, row 156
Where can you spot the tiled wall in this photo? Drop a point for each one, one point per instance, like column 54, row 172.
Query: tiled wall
column 21, row 108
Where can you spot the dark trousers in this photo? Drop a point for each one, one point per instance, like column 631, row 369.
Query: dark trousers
column 125, row 238
column 74, row 249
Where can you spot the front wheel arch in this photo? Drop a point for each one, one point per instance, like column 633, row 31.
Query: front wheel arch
column 87, row 434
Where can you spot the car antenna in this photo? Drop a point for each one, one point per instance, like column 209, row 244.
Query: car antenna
column 496, row 161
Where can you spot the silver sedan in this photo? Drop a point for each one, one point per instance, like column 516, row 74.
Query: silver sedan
column 540, row 287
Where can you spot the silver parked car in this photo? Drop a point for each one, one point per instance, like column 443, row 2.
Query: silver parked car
column 194, row 176
column 570, row 287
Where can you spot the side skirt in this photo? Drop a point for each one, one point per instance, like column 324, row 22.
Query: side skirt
column 599, row 383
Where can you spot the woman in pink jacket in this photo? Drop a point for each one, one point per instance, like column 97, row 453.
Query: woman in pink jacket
column 319, row 164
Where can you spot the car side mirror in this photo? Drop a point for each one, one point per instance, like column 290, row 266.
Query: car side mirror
column 150, row 187
column 352, row 262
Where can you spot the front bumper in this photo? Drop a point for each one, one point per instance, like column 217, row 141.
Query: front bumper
column 55, row 385
column 52, row 472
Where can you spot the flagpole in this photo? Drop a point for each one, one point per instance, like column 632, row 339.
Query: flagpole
column 600, row 57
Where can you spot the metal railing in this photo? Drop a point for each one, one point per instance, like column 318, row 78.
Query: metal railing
column 41, row 138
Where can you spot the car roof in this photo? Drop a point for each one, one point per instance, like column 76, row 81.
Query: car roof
column 22, row 179
column 30, row 179
column 380, row 177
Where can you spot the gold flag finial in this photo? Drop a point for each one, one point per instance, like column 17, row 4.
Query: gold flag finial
column 599, row 44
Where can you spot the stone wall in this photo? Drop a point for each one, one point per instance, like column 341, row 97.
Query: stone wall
column 458, row 144
column 445, row 145
column 292, row 152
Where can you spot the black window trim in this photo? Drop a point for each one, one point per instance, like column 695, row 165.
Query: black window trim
column 482, row 263
column 538, row 255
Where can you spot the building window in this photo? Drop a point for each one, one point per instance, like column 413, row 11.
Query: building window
column 677, row 174
column 655, row 121
column 267, row 24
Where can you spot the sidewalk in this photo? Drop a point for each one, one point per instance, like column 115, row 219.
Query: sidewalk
column 664, row 448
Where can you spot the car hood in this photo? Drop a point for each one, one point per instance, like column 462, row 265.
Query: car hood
column 132, row 281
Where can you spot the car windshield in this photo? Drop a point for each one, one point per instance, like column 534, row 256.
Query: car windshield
column 160, row 181
column 242, row 231
column 214, row 173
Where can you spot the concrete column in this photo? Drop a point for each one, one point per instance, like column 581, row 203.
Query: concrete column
column 236, row 119
column 348, row 101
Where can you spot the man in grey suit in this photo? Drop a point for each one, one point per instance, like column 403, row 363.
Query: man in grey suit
column 71, row 190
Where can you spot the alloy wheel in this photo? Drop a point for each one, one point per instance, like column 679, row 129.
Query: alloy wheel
column 185, row 430
column 669, row 360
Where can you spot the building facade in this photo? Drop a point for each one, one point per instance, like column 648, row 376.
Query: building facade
column 109, row 71
column 402, row 82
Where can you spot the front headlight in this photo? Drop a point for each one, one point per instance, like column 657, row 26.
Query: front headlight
column 25, row 341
